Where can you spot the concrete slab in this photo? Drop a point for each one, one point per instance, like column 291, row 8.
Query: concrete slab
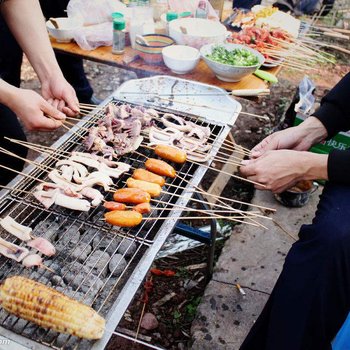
column 252, row 257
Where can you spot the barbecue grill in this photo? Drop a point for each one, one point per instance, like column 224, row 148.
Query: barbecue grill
column 86, row 265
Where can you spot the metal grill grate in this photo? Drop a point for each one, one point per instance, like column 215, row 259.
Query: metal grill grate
column 79, row 236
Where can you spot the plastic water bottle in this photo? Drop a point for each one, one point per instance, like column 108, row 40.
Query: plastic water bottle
column 202, row 9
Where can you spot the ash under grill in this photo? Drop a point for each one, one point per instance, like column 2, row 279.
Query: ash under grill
column 95, row 263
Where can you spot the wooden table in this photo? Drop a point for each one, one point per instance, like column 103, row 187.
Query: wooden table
column 130, row 61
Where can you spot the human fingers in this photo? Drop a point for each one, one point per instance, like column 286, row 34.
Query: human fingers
column 267, row 144
column 71, row 101
column 52, row 111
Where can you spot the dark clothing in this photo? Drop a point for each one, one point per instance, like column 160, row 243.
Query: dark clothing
column 311, row 298
column 334, row 114
column 245, row 4
column 10, row 71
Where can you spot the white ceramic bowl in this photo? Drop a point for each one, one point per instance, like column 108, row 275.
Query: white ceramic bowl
column 199, row 32
column 181, row 59
column 227, row 72
column 65, row 31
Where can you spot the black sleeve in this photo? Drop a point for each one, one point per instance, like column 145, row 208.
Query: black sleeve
column 334, row 112
column 339, row 167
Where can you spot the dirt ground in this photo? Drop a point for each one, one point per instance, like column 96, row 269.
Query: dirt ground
column 188, row 283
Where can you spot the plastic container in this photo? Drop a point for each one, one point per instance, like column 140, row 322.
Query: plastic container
column 170, row 16
column 118, row 46
column 141, row 23
column 202, row 9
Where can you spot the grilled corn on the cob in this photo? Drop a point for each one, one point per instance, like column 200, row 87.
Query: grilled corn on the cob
column 49, row 308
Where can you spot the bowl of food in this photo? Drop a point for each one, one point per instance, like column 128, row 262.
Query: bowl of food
column 63, row 28
column 231, row 62
column 197, row 32
column 181, row 59
column 298, row 195
column 150, row 48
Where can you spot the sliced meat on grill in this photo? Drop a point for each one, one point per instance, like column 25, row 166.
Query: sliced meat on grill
column 42, row 245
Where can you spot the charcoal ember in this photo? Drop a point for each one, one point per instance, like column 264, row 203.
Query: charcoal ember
column 19, row 325
column 149, row 321
column 10, row 321
column 74, row 274
column 89, row 235
column 39, row 277
column 57, row 280
column 47, row 229
column 98, row 262
column 127, row 248
column 70, row 235
column 81, row 252
column 55, row 265
column 102, row 300
column 61, row 340
column 101, row 242
column 3, row 315
column 117, row 265
column 30, row 330
column 78, row 294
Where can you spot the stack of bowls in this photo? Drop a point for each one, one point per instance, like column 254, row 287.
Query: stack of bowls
column 152, row 51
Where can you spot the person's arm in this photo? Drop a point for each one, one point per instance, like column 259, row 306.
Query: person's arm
column 30, row 107
column 334, row 112
column 26, row 22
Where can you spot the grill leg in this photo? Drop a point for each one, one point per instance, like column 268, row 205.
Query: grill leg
column 212, row 240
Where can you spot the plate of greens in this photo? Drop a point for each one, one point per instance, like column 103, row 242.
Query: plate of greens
column 231, row 62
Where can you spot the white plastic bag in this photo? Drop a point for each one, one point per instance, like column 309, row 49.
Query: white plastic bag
column 91, row 37
column 94, row 11
column 96, row 16
column 306, row 97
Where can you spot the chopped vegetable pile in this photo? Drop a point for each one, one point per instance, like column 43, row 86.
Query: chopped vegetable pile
column 236, row 57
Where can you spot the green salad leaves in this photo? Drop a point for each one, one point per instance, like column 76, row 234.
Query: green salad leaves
column 235, row 57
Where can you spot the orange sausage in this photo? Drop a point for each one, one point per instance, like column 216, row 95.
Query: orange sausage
column 123, row 218
column 114, row 205
column 171, row 153
column 160, row 167
column 143, row 208
column 145, row 175
column 151, row 188
column 131, row 195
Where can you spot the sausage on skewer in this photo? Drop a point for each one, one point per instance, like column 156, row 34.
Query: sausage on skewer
column 131, row 195
column 151, row 188
column 123, row 218
column 171, row 153
column 145, row 175
column 160, row 167
column 114, row 205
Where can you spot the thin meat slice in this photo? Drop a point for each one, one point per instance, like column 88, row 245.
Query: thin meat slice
column 42, row 245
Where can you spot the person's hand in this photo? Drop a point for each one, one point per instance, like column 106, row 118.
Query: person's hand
column 61, row 95
column 298, row 138
column 34, row 111
column 281, row 169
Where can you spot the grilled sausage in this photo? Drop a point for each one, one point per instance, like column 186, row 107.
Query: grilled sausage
column 114, row 205
column 151, row 188
column 142, row 208
column 160, row 167
column 123, row 218
column 131, row 195
column 171, row 153
column 145, row 175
